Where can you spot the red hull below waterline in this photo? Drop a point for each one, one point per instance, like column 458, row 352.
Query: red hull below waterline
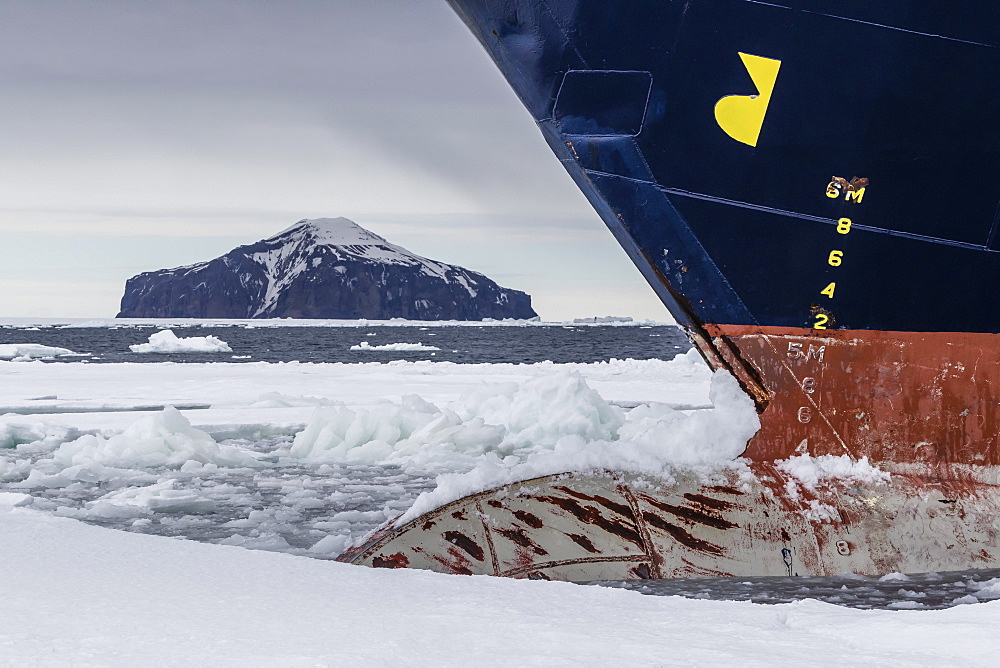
column 906, row 397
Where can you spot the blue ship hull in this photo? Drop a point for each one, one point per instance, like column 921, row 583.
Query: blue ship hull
column 900, row 93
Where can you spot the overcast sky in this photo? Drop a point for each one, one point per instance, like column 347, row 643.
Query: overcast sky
column 137, row 135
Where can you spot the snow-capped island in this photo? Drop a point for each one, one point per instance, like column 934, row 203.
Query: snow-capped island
column 322, row 268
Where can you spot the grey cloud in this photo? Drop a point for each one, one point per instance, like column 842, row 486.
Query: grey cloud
column 405, row 77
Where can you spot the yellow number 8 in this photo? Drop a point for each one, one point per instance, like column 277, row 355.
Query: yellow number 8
column 844, row 225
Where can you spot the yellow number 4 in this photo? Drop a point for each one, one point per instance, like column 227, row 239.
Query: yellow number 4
column 828, row 290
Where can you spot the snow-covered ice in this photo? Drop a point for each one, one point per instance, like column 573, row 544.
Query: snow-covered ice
column 78, row 594
column 336, row 449
column 165, row 341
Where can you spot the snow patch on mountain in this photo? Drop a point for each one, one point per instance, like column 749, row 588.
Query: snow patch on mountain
column 292, row 253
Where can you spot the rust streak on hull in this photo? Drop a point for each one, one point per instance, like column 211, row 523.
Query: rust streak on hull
column 913, row 523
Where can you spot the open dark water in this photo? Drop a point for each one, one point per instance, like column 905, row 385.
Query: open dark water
column 464, row 344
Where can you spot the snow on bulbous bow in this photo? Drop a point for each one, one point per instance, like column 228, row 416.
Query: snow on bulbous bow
column 322, row 268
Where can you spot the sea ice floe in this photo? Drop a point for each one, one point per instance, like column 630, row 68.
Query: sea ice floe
column 987, row 591
column 161, row 497
column 398, row 347
column 37, row 435
column 279, row 400
column 330, row 545
column 14, row 469
column 166, row 341
column 271, row 542
column 905, row 605
column 162, row 439
column 26, row 351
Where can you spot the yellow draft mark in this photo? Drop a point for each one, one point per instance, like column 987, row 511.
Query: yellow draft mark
column 742, row 116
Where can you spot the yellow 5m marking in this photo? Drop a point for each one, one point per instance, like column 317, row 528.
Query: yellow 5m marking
column 742, row 116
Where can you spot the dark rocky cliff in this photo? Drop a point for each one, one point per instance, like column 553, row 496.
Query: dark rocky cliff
column 322, row 268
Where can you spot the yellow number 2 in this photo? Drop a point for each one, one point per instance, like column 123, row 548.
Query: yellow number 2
column 821, row 320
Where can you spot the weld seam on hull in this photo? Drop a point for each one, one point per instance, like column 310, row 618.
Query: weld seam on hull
column 640, row 523
column 871, row 23
column 514, row 572
column 489, row 537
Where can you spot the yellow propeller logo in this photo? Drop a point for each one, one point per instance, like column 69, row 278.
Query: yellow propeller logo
column 742, row 116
